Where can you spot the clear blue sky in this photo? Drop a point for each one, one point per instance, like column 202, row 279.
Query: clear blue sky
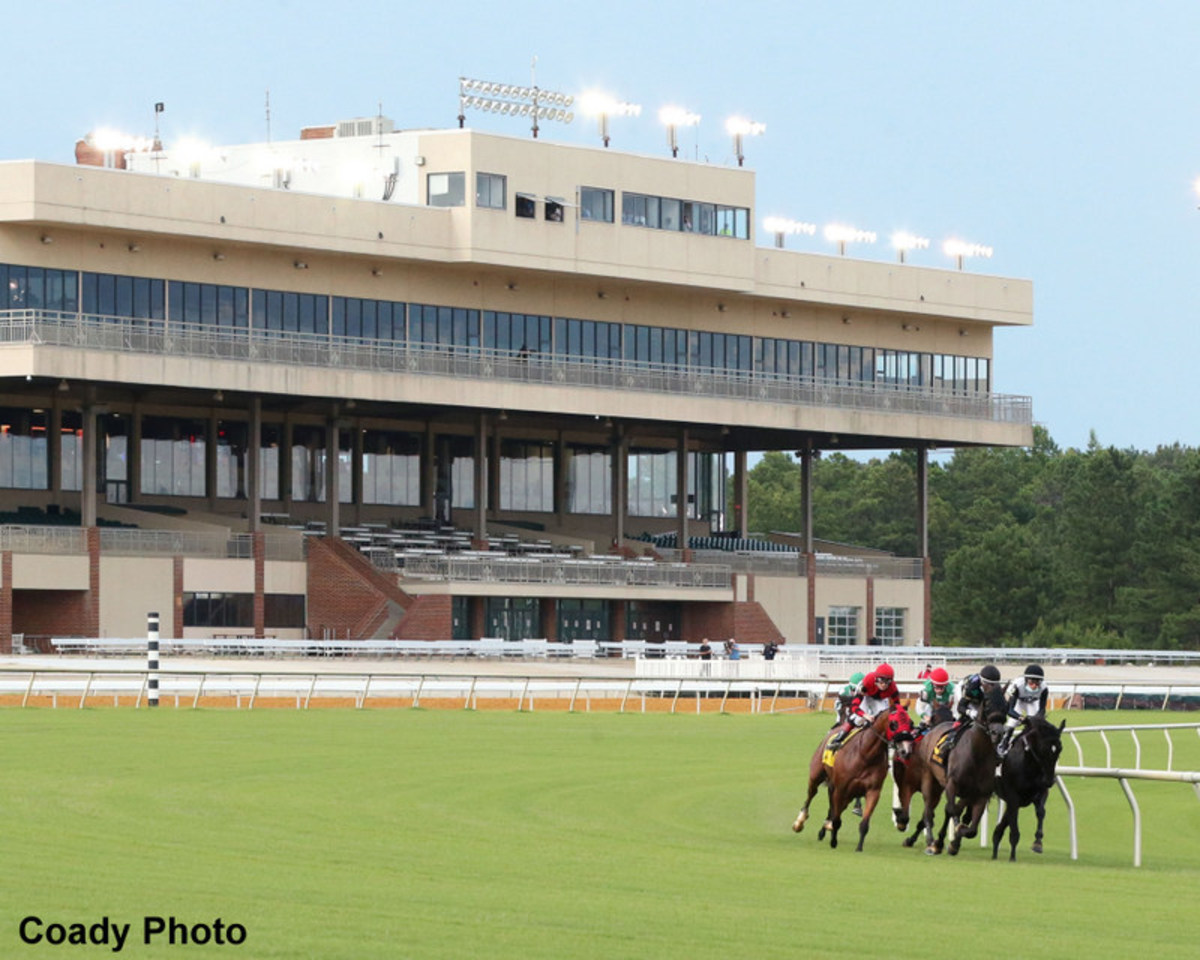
column 1065, row 135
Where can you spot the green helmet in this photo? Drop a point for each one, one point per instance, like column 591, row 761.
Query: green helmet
column 857, row 678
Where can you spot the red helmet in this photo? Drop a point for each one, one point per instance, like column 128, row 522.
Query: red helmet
column 939, row 676
column 885, row 671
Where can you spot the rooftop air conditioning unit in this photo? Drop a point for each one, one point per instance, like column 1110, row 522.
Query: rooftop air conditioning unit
column 365, row 127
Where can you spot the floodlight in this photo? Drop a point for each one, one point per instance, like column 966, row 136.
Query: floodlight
column 960, row 250
column 902, row 242
column 602, row 106
column 673, row 118
column 842, row 235
column 739, row 128
column 509, row 100
column 781, row 227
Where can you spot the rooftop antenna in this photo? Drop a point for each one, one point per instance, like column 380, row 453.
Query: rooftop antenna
column 533, row 84
column 268, row 114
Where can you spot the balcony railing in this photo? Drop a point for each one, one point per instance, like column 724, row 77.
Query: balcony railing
column 505, row 569
column 159, row 338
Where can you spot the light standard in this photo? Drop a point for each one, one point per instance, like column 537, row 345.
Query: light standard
column 602, row 106
column 841, row 235
column 739, row 128
column 960, row 250
column 509, row 100
column 673, row 118
column 903, row 241
column 781, row 227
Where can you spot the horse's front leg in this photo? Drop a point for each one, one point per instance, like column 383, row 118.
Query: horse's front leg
column 816, row 776
column 1007, row 821
column 868, row 809
column 1039, row 806
column 949, row 822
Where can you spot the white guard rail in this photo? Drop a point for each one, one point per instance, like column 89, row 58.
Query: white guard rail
column 1124, row 775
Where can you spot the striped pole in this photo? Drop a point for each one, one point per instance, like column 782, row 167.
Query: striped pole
column 152, row 659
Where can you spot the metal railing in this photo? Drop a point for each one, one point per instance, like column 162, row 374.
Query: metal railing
column 133, row 542
column 158, row 337
column 506, row 569
column 1123, row 775
column 792, row 564
column 31, row 538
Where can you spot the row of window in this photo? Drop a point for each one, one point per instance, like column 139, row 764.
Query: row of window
column 174, row 454
column 236, row 610
column 519, row 618
column 595, row 203
column 842, row 626
column 460, row 328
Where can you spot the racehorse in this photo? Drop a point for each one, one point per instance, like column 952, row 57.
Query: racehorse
column 1026, row 777
column 908, row 772
column 858, row 770
column 967, row 777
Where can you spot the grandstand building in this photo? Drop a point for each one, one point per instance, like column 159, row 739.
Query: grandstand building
column 444, row 384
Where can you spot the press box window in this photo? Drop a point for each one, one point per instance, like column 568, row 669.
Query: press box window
column 489, row 190
column 596, row 204
column 446, row 189
column 554, row 209
column 526, row 206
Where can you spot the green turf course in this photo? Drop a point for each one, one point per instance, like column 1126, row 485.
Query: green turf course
column 428, row 834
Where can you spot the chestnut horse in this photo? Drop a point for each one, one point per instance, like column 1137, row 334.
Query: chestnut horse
column 858, row 770
column 908, row 773
column 1026, row 777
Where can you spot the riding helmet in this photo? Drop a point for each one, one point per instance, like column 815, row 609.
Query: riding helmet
column 1035, row 672
column 939, row 676
column 990, row 673
column 884, row 670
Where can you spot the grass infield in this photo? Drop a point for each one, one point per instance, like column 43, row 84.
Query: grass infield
column 430, row 834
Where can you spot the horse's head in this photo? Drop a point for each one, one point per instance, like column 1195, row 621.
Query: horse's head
column 1043, row 745
column 900, row 732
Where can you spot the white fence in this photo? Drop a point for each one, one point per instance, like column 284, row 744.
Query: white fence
column 1124, row 775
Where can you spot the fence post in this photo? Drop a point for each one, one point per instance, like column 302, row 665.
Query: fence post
column 152, row 659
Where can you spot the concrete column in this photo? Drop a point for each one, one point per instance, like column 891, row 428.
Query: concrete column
column 87, row 503
column 806, row 462
column 479, row 528
column 561, row 491
column 333, row 516
column 741, row 489
column 54, row 441
column 254, row 464
column 681, row 491
column 356, row 470
column 133, row 457
column 618, row 452
column 428, row 472
column 210, row 460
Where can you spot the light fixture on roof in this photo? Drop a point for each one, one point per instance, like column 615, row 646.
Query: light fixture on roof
column 63, row 386
column 46, row 238
column 134, row 248
column 903, row 241
column 513, row 101
column 602, row 106
column 299, row 264
column 673, row 118
column 739, row 128
column 218, row 255
column 841, row 235
column 960, row 250
column 219, row 396
column 781, row 227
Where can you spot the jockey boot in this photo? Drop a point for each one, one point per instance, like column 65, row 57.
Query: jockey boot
column 1005, row 742
column 837, row 739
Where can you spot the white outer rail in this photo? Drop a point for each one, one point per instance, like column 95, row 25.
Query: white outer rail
column 1122, row 776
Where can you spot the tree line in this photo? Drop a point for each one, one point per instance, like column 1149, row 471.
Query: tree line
column 1030, row 546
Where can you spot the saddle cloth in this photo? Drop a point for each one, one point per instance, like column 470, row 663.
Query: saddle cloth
column 828, row 756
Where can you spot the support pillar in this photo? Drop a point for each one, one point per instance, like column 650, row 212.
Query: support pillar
column 620, row 474
column 254, row 465
column 479, row 528
column 741, row 488
column 923, row 540
column 333, row 516
column 681, row 491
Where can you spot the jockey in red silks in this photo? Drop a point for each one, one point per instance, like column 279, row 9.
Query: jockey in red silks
column 875, row 695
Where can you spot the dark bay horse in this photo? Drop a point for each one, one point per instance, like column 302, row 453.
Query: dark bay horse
column 908, row 772
column 858, row 770
column 1026, row 777
column 967, row 778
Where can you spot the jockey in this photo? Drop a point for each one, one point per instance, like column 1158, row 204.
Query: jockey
column 1027, row 696
column 876, row 694
column 972, row 700
column 846, row 696
column 937, row 691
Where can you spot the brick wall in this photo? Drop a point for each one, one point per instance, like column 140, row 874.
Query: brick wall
column 429, row 618
column 346, row 595
column 746, row 621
